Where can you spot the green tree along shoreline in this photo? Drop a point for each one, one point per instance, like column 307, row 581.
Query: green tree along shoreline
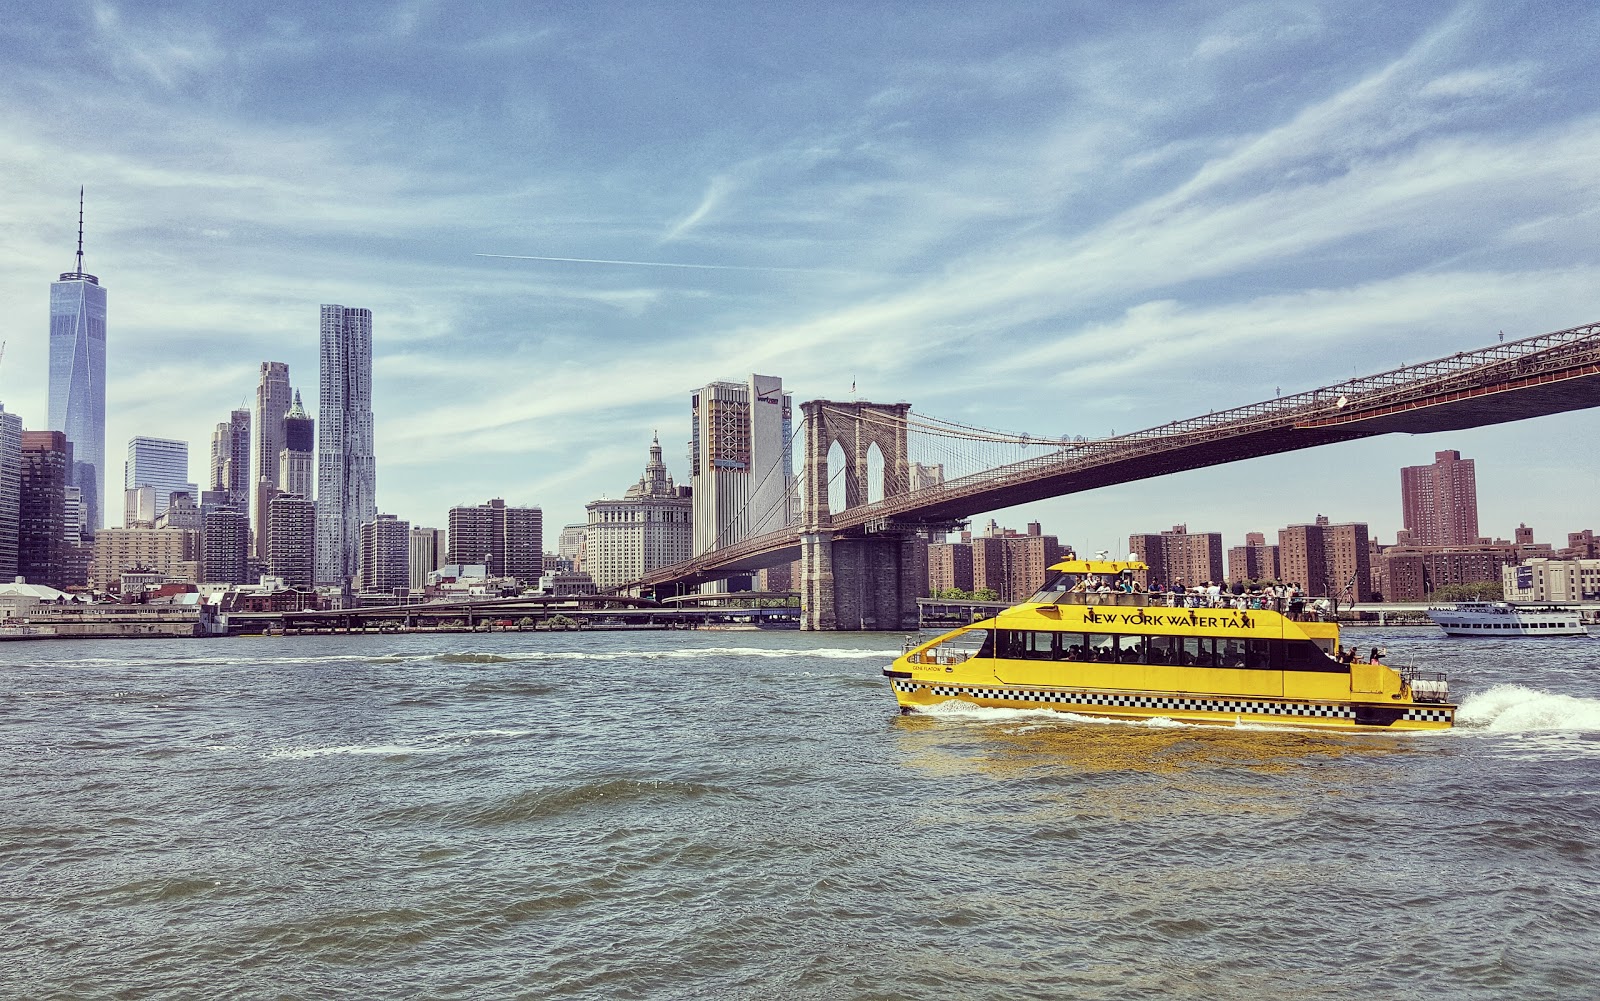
column 1481, row 591
column 957, row 594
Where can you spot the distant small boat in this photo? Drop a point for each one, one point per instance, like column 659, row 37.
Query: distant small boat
column 1502, row 618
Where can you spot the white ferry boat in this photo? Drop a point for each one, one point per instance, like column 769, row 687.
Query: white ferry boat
column 1501, row 618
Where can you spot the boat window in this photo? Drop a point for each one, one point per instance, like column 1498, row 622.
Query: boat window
column 1304, row 655
column 1102, row 647
column 1230, row 653
column 1163, row 650
column 1024, row 644
column 1258, row 654
column 1056, row 584
column 957, row 647
column 1199, row 651
column 1004, row 642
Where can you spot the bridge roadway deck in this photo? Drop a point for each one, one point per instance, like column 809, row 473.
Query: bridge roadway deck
column 1534, row 377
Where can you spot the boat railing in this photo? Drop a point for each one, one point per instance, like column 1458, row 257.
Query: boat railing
column 1426, row 686
column 944, row 654
column 1169, row 599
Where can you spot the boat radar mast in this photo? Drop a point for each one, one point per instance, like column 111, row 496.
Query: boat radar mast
column 80, row 275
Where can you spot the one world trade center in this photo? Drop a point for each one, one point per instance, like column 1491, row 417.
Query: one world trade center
column 78, row 378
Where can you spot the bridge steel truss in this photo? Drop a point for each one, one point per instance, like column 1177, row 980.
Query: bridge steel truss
column 1532, row 377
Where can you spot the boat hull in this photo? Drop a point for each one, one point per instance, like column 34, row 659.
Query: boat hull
column 913, row 694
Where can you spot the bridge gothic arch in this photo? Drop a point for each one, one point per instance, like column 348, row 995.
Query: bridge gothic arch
column 855, row 427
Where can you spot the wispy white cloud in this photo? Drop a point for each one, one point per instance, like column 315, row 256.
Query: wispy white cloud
column 716, row 191
column 1123, row 200
column 168, row 51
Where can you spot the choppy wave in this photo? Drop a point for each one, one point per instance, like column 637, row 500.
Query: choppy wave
column 825, row 653
column 509, row 687
column 321, row 752
column 477, row 658
column 538, row 804
column 1515, row 709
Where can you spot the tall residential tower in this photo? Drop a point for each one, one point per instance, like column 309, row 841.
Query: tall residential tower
column 272, row 404
column 78, row 377
column 230, row 458
column 347, row 479
column 1439, row 503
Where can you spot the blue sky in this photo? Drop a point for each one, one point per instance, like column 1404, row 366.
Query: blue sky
column 1054, row 218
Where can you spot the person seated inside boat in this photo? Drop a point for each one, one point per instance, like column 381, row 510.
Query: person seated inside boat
column 1232, row 655
column 1133, row 654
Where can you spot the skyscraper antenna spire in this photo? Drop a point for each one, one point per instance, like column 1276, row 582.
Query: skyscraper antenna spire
column 80, row 229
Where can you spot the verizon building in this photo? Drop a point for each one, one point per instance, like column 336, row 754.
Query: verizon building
column 741, row 458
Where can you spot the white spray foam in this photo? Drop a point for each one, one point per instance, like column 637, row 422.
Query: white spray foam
column 957, row 709
column 1514, row 709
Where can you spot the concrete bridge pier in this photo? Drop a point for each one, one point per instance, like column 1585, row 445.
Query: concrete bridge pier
column 860, row 583
column 816, row 581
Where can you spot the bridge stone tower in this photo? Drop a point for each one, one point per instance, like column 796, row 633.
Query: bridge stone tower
column 869, row 580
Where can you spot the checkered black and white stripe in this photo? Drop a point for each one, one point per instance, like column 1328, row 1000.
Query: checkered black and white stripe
column 1429, row 715
column 1168, row 702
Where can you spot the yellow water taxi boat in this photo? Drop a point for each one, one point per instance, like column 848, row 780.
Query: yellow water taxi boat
column 1086, row 644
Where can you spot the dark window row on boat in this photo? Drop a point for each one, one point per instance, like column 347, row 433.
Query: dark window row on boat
column 1179, row 651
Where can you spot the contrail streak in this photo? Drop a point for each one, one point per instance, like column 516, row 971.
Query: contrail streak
column 662, row 264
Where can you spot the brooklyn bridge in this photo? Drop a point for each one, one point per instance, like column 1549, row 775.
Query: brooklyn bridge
column 858, row 564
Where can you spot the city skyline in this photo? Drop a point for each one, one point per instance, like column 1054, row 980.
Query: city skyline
column 973, row 222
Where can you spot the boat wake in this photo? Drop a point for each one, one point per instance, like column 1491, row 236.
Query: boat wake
column 955, row 709
column 1514, row 709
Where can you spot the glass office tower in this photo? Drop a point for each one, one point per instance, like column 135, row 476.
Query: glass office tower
column 78, row 378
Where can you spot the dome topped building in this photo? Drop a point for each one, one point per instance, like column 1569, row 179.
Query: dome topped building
column 651, row 525
column 656, row 481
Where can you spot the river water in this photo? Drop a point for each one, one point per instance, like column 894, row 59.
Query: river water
column 745, row 815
